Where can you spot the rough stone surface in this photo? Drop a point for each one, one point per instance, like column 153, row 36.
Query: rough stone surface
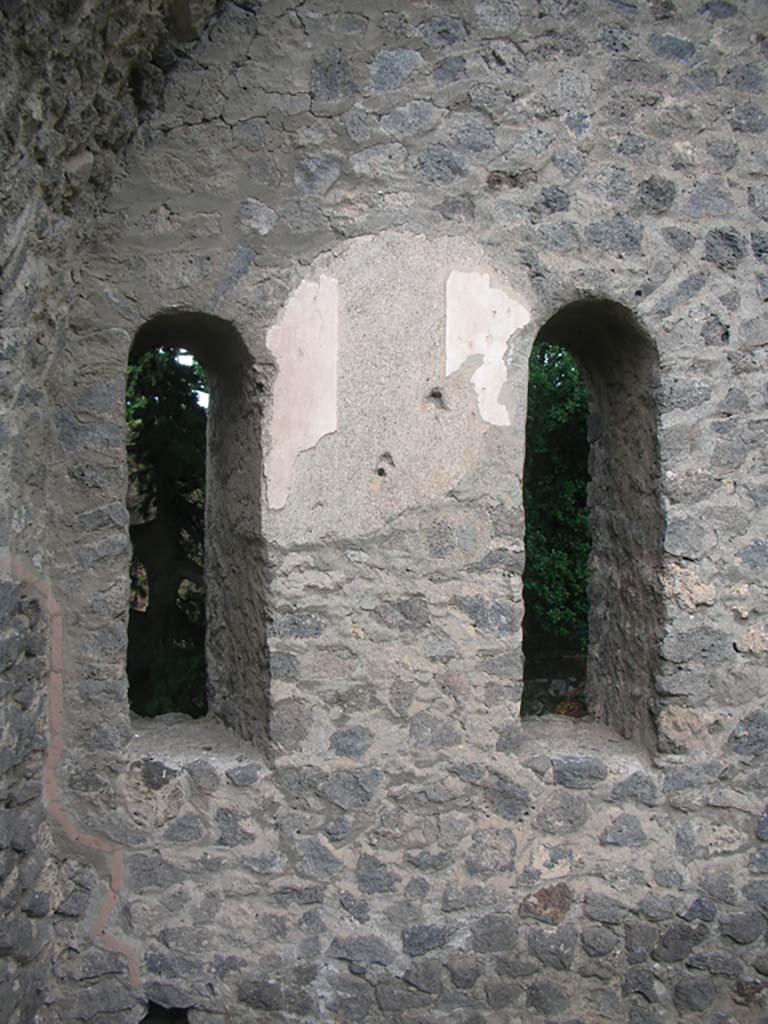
column 363, row 829
column 579, row 772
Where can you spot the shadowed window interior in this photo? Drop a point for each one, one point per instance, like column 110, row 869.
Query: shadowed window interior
column 161, row 1015
column 557, row 535
column 616, row 504
column 166, row 403
column 197, row 630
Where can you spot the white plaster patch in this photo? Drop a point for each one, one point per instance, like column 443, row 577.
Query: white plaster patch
column 305, row 343
column 479, row 321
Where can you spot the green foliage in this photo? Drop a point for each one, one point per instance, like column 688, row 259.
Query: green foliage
column 166, row 454
column 166, row 436
column 557, row 539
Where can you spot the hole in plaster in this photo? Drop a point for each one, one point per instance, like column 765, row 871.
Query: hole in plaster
column 385, row 462
column 157, row 1014
column 510, row 179
column 437, row 398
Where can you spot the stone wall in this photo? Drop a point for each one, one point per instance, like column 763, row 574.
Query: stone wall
column 390, row 206
column 76, row 80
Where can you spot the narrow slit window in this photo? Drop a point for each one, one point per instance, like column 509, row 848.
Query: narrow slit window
column 166, row 403
column 197, row 621
column 602, row 482
column 557, row 536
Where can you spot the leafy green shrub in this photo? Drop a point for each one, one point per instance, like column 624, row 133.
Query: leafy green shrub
column 557, row 537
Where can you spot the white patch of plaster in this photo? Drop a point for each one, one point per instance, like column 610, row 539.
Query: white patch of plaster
column 479, row 321
column 305, row 343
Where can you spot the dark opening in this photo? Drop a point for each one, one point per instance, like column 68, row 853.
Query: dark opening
column 232, row 615
column 557, row 536
column 166, row 402
column 619, row 363
column 165, row 1015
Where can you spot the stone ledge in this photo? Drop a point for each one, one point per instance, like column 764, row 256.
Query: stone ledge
column 177, row 739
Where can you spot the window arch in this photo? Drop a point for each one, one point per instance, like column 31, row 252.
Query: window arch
column 620, row 367
column 237, row 666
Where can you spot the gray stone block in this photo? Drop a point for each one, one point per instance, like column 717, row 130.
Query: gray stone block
column 657, row 194
column 563, row 814
column 578, row 771
column 331, row 79
column 315, row 175
column 362, row 949
column 554, row 948
column 750, row 737
column 374, row 876
column 391, row 68
column 725, row 247
column 694, row 994
column 678, row 940
column 441, row 31
column 494, row 933
column 422, row 938
column 547, row 998
column 743, row 928
column 598, row 941
column 243, row 774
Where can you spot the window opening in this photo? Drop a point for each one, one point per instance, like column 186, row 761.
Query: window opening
column 620, row 369
column 557, row 536
column 166, row 455
column 222, row 529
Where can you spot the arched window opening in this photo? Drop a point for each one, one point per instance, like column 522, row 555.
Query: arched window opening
column 206, row 573
column 619, row 363
column 557, row 535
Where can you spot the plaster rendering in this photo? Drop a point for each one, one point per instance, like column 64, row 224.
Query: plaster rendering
column 305, row 344
column 479, row 321
column 407, row 428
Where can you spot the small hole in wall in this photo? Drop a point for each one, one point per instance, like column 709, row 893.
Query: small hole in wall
column 165, row 1015
column 385, row 462
column 437, row 398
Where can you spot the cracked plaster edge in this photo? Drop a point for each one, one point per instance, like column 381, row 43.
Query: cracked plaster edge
column 490, row 363
column 324, row 287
